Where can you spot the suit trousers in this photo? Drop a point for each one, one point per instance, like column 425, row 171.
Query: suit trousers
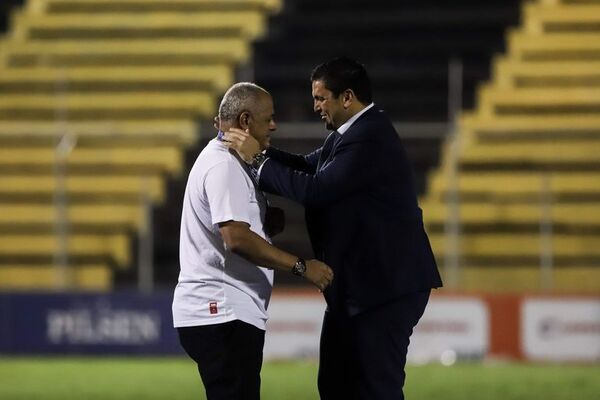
column 363, row 356
column 229, row 358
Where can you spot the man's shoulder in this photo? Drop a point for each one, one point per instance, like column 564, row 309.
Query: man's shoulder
column 214, row 154
column 374, row 119
column 374, row 115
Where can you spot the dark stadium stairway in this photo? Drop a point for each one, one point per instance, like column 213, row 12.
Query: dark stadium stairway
column 406, row 46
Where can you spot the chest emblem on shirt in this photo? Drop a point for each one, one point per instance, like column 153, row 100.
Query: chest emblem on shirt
column 212, row 307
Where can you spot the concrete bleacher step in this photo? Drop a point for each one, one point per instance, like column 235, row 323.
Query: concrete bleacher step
column 114, row 247
column 528, row 278
column 96, row 277
column 234, row 49
column 503, row 184
column 531, row 128
column 246, row 23
column 558, row 46
column 106, row 59
column 102, row 106
column 216, row 76
column 549, row 74
column 506, row 246
column 576, row 215
column 136, row 6
column 91, row 33
column 139, row 86
column 87, row 218
column 547, row 153
column 143, row 160
column 105, row 186
column 100, row 133
column 495, row 100
column 582, row 17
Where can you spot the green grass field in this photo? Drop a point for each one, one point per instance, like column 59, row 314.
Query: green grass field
column 175, row 378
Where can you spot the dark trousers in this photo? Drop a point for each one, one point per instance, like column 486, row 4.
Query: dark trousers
column 363, row 357
column 229, row 358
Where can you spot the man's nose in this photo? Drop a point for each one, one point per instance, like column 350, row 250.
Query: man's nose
column 316, row 107
column 273, row 126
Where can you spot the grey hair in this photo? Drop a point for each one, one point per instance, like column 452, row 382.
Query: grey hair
column 239, row 98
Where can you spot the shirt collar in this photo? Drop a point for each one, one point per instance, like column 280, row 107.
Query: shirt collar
column 342, row 129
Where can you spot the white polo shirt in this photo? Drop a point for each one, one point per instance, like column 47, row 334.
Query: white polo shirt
column 215, row 285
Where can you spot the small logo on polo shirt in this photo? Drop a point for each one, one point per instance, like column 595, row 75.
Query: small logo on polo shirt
column 212, row 306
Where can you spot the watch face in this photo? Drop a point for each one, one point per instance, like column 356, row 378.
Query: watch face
column 299, row 268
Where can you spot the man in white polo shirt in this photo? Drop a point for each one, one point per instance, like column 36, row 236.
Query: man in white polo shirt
column 226, row 256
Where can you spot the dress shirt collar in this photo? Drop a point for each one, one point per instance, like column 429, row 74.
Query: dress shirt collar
column 342, row 129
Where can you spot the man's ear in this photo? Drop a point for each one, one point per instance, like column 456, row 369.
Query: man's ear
column 348, row 97
column 244, row 120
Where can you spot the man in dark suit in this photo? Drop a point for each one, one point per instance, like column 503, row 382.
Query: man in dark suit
column 363, row 220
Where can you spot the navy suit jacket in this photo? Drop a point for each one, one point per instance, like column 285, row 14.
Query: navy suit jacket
column 361, row 213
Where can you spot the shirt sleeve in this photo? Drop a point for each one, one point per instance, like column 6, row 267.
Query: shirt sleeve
column 228, row 194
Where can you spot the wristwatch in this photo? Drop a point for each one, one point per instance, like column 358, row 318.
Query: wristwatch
column 257, row 160
column 299, row 268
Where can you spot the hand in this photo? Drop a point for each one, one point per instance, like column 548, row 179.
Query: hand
column 274, row 221
column 242, row 142
column 319, row 274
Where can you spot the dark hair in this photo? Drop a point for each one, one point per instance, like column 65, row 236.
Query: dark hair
column 344, row 73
